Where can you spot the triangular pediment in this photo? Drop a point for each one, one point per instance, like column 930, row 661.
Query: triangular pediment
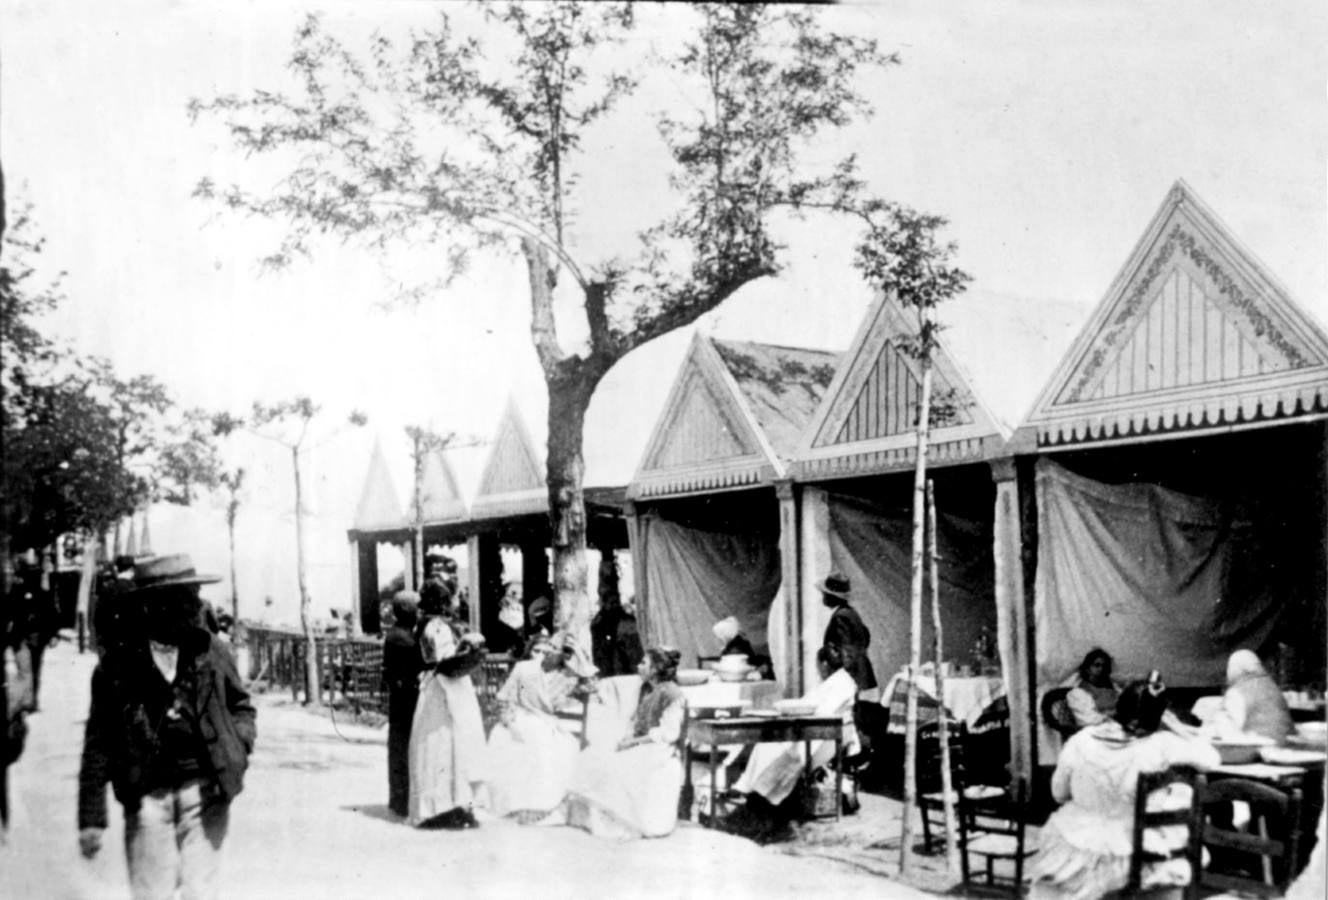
column 440, row 498
column 1193, row 333
column 872, row 405
column 513, row 464
column 705, row 437
column 379, row 506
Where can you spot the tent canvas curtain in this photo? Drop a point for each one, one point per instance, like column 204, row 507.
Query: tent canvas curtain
column 872, row 544
column 1157, row 578
column 696, row 576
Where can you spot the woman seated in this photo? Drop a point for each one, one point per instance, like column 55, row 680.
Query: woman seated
column 773, row 769
column 447, row 749
column 1085, row 847
column 631, row 791
column 530, row 754
column 1093, row 697
column 1253, row 705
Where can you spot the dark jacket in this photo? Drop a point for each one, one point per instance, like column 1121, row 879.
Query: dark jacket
column 120, row 743
column 401, row 671
column 848, row 632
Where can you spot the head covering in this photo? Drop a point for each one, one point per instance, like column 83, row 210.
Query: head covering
column 575, row 657
column 176, row 570
column 1242, row 664
column 405, row 606
column 725, row 630
column 836, row 585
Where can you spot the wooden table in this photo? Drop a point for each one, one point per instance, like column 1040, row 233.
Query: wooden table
column 762, row 730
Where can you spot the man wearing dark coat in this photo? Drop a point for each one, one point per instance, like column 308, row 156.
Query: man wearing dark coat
column 847, row 631
column 402, row 665
column 171, row 728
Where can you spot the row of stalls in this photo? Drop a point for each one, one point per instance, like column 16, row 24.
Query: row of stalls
column 1163, row 494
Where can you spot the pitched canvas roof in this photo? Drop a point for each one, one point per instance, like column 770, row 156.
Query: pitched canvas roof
column 732, row 418
column 440, row 495
column 1193, row 334
column 513, row 480
column 379, row 506
column 866, row 422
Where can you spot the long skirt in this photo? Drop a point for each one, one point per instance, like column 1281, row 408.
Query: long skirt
column 530, row 763
column 773, row 769
column 447, row 749
column 626, row 794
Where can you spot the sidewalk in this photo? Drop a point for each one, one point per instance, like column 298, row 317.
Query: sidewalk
column 313, row 822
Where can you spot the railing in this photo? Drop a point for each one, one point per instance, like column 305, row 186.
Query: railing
column 350, row 669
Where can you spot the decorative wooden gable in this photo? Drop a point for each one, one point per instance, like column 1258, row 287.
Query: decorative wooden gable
column 866, row 422
column 379, row 506
column 1193, row 334
column 706, row 438
column 440, row 498
column 513, row 480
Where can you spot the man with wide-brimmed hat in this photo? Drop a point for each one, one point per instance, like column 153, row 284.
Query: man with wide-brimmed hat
column 846, row 630
column 171, row 728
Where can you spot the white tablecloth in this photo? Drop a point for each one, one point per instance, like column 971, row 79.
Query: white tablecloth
column 757, row 694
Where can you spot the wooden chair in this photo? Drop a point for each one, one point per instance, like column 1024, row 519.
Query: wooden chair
column 576, row 720
column 1056, row 712
column 930, row 792
column 993, row 829
column 1191, row 816
column 1274, row 836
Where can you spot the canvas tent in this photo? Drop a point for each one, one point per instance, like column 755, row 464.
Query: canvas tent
column 714, row 533
column 1170, row 503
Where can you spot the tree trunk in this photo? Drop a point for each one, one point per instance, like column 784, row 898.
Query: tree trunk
column 933, row 577
column 417, row 526
column 915, row 611
column 230, row 534
column 568, row 402
column 312, row 692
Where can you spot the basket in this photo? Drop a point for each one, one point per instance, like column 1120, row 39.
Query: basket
column 818, row 796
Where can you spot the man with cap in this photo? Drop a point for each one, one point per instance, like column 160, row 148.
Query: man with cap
column 171, row 728
column 846, row 631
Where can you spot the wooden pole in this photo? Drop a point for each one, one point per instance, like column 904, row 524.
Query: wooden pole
column 313, row 692
column 947, row 786
column 915, row 602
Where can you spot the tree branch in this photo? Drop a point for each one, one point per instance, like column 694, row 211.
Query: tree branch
column 543, row 326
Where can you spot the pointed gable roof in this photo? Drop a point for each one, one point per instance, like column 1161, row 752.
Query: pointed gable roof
column 733, row 417
column 380, row 505
column 440, row 497
column 513, row 480
column 1193, row 334
column 865, row 424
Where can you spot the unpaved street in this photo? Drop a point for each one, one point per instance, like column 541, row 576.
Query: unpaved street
column 312, row 823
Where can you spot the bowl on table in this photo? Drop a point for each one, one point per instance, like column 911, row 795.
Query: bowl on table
column 1312, row 734
column 1239, row 751
column 693, row 677
column 794, row 707
column 734, row 674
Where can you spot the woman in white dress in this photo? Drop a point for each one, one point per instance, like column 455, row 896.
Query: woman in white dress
column 531, row 755
column 773, row 769
column 631, row 791
column 1084, row 849
column 447, row 748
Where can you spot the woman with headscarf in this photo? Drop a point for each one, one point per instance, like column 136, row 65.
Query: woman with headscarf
column 531, row 754
column 402, row 665
column 1084, row 850
column 1092, row 699
column 447, row 747
column 1253, row 703
column 631, row 791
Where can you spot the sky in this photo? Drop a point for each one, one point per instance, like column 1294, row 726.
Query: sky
column 1047, row 132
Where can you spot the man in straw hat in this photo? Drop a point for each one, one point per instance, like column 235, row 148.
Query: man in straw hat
column 846, row 631
column 171, row 728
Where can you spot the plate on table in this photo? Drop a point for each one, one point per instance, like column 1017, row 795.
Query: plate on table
column 794, row 707
column 1290, row 756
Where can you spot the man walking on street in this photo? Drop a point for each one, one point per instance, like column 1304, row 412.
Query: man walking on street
column 171, row 728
